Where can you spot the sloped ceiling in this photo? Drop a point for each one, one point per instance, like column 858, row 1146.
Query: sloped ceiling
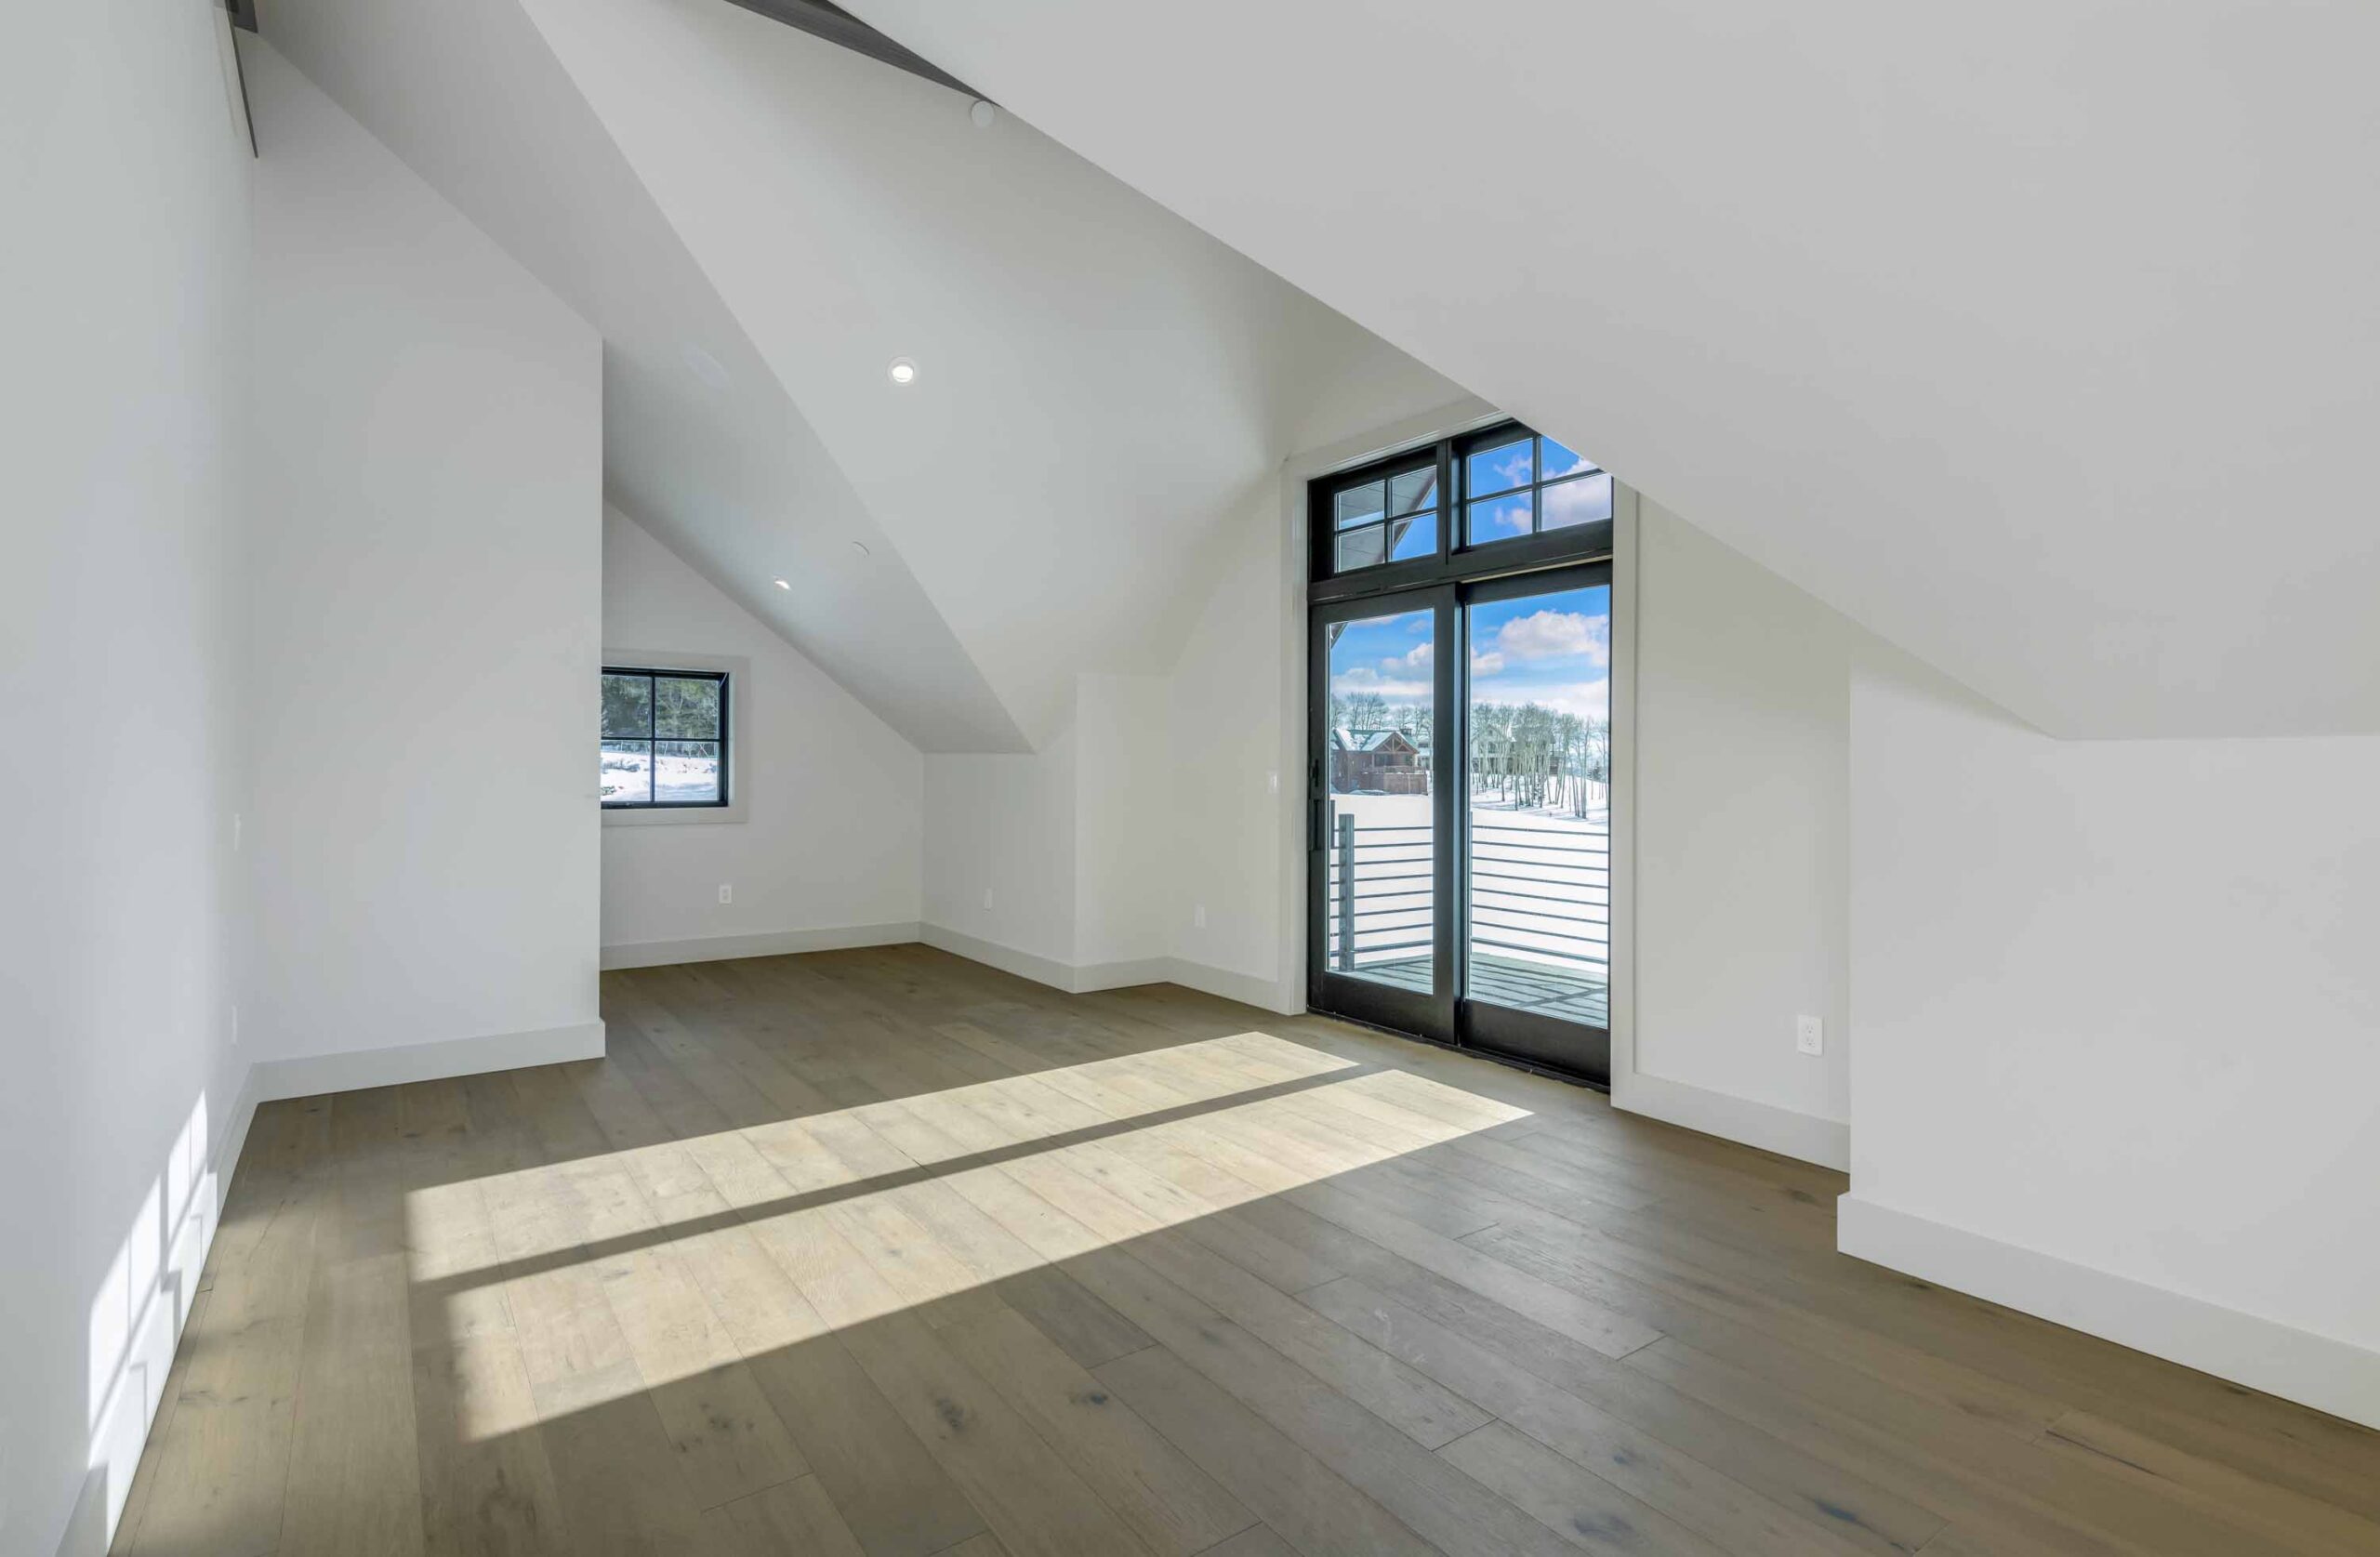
column 701, row 442
column 1101, row 385
column 2042, row 338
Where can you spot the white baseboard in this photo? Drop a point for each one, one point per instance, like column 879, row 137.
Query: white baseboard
column 1073, row 978
column 779, row 943
column 2315, row 1370
column 1086, row 978
column 1804, row 1137
column 312, row 1075
column 991, row 953
column 1264, row 994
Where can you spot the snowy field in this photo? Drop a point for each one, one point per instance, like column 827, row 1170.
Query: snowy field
column 682, row 779
column 1539, row 882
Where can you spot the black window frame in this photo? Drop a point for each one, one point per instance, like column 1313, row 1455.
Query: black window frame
column 653, row 740
column 1455, row 556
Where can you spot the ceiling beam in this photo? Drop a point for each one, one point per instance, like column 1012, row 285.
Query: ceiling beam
column 838, row 26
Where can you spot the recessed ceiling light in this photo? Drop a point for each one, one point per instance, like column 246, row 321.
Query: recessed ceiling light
column 902, row 371
column 983, row 114
column 781, row 584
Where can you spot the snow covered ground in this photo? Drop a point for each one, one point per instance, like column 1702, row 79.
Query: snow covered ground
column 1537, row 883
column 682, row 779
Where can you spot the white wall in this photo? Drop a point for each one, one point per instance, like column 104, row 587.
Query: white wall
column 1234, row 856
column 426, row 576
column 2119, row 1031
column 1000, row 858
column 1156, row 799
column 1741, row 838
column 1130, row 766
column 123, row 192
column 830, row 853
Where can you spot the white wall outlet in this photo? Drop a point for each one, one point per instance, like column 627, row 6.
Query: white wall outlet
column 987, row 897
column 1272, row 781
column 236, row 829
column 1198, row 917
column 726, row 892
column 1809, row 1034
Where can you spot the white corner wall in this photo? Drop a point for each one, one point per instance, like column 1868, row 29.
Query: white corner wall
column 1158, row 800
column 1742, row 836
column 999, row 859
column 2117, row 1006
column 1238, row 812
column 830, row 853
column 122, row 385
column 426, row 574
column 1127, row 772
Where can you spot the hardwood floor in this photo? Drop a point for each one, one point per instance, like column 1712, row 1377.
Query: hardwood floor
column 884, row 1252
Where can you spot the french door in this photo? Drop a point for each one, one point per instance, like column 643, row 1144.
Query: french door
column 1459, row 865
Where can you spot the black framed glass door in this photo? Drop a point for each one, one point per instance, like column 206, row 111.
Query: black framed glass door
column 1459, row 851
column 1381, row 872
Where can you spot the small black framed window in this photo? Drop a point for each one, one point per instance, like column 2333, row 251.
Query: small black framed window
column 664, row 738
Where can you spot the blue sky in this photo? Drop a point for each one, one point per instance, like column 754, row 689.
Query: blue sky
column 1553, row 650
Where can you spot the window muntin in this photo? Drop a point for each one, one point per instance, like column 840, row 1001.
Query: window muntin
column 1391, row 516
column 664, row 739
column 1416, row 515
column 1516, row 484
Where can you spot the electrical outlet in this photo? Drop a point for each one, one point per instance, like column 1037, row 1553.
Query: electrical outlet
column 1272, row 780
column 1198, row 917
column 236, row 829
column 1809, row 1034
column 726, row 892
column 987, row 897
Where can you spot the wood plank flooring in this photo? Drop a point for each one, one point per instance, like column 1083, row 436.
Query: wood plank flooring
column 883, row 1252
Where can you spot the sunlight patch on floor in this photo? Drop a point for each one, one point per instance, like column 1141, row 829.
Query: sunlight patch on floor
column 575, row 1282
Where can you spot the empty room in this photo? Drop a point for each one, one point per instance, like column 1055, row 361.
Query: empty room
column 1057, row 779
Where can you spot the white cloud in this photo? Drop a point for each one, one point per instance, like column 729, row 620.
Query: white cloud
column 1415, row 658
column 1545, row 634
column 1487, row 664
column 1365, row 678
column 1578, row 502
column 1586, row 699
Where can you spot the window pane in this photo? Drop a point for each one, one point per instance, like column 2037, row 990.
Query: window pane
column 1537, row 871
column 1359, row 548
column 685, row 772
column 628, row 706
column 1580, row 502
column 1415, row 489
column 1357, row 506
column 1498, row 519
column 1555, row 462
column 1414, row 536
column 685, row 707
column 627, row 774
column 1381, row 904
column 1497, row 469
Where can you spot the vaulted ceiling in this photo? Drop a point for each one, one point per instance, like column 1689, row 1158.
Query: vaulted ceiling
column 2042, row 338
column 758, row 223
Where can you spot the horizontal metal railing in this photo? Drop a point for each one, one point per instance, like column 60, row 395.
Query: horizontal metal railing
column 1542, row 892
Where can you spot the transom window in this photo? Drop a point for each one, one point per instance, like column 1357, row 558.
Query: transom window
column 664, row 738
column 1517, row 485
column 1497, row 498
